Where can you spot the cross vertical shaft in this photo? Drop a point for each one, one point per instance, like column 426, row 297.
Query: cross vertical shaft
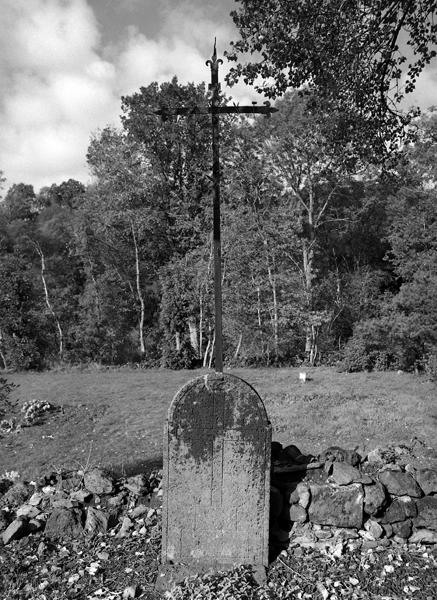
column 215, row 121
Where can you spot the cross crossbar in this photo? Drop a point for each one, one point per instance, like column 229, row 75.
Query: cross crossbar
column 215, row 110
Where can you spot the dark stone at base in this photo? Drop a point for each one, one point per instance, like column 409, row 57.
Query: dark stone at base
column 276, row 450
column 403, row 529
column 276, row 502
column 341, row 506
column 426, row 513
column 171, row 575
column 64, row 523
column 399, row 483
column 427, row 479
column 400, row 509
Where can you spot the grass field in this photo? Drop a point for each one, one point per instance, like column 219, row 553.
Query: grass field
column 115, row 418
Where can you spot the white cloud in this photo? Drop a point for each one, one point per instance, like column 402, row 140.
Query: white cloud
column 58, row 83
column 142, row 61
column 55, row 89
column 425, row 93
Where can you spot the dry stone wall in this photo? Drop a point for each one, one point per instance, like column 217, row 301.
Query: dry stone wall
column 388, row 496
column 337, row 500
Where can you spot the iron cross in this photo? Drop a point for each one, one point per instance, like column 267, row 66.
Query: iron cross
column 215, row 110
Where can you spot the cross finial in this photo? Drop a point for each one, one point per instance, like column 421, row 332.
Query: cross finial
column 214, row 63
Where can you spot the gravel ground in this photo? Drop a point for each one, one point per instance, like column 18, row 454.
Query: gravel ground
column 107, row 567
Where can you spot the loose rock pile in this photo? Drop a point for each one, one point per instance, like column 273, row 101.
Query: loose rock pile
column 340, row 499
column 71, row 505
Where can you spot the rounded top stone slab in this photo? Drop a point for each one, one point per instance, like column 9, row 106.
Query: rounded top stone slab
column 217, row 401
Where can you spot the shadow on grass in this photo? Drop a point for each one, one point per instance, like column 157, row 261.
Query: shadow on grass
column 128, row 469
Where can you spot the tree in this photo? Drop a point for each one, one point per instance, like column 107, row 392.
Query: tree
column 310, row 173
column 23, row 339
column 2, row 181
column 68, row 194
column 19, row 202
column 125, row 223
column 178, row 151
column 352, row 56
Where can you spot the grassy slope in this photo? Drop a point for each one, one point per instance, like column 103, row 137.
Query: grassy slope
column 116, row 417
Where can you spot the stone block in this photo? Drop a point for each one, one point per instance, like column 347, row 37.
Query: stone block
column 64, row 523
column 400, row 509
column 297, row 514
column 28, row 511
column 137, row 484
column 16, row 530
column 423, row 536
column 426, row 513
column 427, row 479
column 3, row 521
column 344, row 473
column 402, row 529
column 375, row 498
column 81, row 496
column 98, row 482
column 16, row 495
column 374, row 528
column 399, row 483
column 339, row 506
column 304, row 494
column 96, row 521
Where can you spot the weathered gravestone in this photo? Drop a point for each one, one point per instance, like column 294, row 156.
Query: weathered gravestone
column 216, row 480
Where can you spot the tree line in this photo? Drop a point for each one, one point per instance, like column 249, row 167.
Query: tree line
column 327, row 254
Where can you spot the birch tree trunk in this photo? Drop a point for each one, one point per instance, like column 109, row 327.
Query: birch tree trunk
column 47, row 299
column 178, row 341
column 275, row 312
column 139, row 292
column 237, row 349
column 211, row 351
column 308, row 268
column 201, row 327
column 192, row 327
column 205, row 356
column 2, row 356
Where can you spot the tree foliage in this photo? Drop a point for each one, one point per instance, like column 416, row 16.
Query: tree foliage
column 357, row 59
column 324, row 257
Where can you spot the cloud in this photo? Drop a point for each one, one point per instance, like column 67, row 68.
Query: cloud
column 55, row 89
column 59, row 83
column 142, row 60
column 425, row 92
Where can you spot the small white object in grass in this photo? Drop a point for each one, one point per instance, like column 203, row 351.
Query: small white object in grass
column 353, row 581
column 322, row 590
column 93, row 568
column 302, row 377
column 389, row 568
column 11, row 475
column 130, row 592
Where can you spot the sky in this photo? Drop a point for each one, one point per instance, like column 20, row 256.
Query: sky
column 64, row 64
